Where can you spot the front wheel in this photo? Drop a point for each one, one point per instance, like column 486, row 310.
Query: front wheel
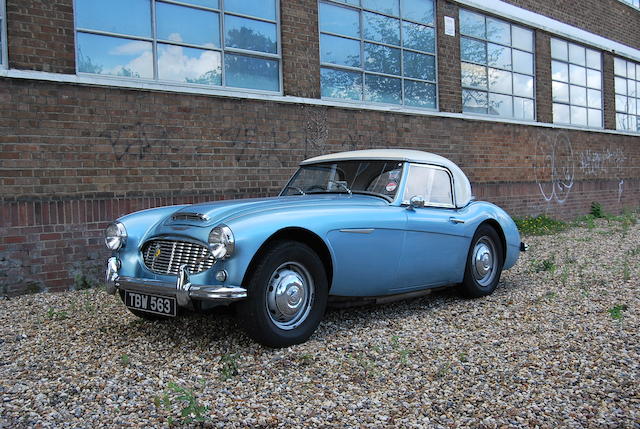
column 286, row 296
column 484, row 263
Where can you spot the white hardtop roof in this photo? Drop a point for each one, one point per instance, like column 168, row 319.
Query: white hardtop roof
column 461, row 183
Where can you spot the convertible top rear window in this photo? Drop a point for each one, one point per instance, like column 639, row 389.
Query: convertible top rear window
column 379, row 178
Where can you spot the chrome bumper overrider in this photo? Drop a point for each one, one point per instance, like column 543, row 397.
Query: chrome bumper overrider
column 182, row 289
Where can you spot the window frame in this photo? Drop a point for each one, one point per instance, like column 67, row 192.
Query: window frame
column 636, row 98
column 154, row 40
column 362, row 41
column 412, row 165
column 631, row 4
column 488, row 91
column 585, row 86
column 4, row 57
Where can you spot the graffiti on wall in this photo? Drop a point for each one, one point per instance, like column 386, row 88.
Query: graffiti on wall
column 554, row 167
column 609, row 162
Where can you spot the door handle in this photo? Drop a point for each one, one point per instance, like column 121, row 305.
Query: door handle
column 455, row 220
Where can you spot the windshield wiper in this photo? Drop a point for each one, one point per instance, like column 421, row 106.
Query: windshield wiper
column 341, row 185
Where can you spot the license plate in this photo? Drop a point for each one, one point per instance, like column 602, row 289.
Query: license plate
column 163, row 305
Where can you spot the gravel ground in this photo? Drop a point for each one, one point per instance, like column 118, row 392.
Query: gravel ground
column 555, row 345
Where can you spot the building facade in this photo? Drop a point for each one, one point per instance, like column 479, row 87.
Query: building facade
column 114, row 106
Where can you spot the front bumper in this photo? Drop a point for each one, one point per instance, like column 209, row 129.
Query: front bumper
column 183, row 290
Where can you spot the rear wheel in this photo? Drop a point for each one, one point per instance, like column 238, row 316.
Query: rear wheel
column 484, row 263
column 286, row 296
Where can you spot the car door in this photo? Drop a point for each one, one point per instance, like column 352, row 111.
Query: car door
column 435, row 245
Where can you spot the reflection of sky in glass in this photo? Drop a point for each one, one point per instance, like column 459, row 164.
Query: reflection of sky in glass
column 418, row 10
column 206, row 3
column 560, row 92
column 131, row 17
column 595, row 118
column 523, row 85
column 577, row 54
column 577, row 75
column 382, row 89
column 262, row 9
column 578, row 95
column 390, row 7
column 250, row 34
column 561, row 114
column 474, row 101
column 381, row 28
column 381, row 59
column 578, row 115
column 522, row 62
column 523, row 108
column 498, row 31
column 114, row 56
column 187, row 25
column 474, row 76
column 559, row 49
column 593, row 59
column 341, row 84
column 250, row 72
column 418, row 37
column 499, row 56
column 500, row 105
column 522, row 38
column 473, row 51
column 419, row 94
column 559, row 71
column 419, row 66
column 472, row 24
column 339, row 20
column 594, row 79
column 182, row 64
column 594, row 99
column 338, row 50
column 500, row 81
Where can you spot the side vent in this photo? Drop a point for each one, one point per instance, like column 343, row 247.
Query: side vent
column 190, row 216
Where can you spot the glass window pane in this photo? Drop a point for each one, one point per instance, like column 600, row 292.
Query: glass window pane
column 631, row 88
column 498, row 31
column 561, row 114
column 418, row 10
column 522, row 38
column 620, row 66
column 114, row 56
column 560, row 92
column 131, row 17
column 522, row 62
column 559, row 71
column 621, row 103
column 474, row 101
column 578, row 95
column 577, row 75
column 250, row 34
column 559, row 50
column 594, row 79
column 500, row 81
column 341, row 84
column 206, row 3
column 632, row 106
column 621, row 85
column 595, row 118
column 474, row 76
column 472, row 24
column 499, row 56
column 577, row 54
column 631, row 70
column 353, row 2
column 382, row 89
column 182, row 64
column 594, row 98
column 380, row 28
column 187, row 25
column 250, row 72
column 338, row 50
column 339, row 20
column 419, row 94
column 578, row 116
column 390, row 7
column 381, row 59
column 418, row 37
column 523, row 108
column 419, row 66
column 523, row 85
column 501, row 105
column 621, row 121
column 263, row 9
column 473, row 50
column 593, row 59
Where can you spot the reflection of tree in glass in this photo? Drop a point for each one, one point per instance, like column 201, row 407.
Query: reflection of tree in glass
column 246, row 38
column 124, row 71
column 212, row 77
column 86, row 65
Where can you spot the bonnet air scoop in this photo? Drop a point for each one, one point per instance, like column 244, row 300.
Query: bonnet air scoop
column 196, row 217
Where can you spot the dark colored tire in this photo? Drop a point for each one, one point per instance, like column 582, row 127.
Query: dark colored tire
column 143, row 314
column 286, row 296
column 484, row 263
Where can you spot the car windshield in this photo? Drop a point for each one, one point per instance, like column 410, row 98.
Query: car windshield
column 379, row 178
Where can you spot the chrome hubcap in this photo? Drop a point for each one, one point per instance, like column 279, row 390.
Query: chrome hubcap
column 289, row 295
column 484, row 261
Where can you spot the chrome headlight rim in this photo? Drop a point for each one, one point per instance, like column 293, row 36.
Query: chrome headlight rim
column 115, row 236
column 222, row 243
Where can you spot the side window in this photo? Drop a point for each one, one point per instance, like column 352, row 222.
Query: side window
column 432, row 183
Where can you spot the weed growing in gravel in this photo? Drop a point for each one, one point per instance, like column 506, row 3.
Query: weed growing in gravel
column 52, row 314
column 544, row 265
column 539, row 225
column 125, row 359
column 597, row 211
column 176, row 397
column 305, row 359
column 443, row 369
column 616, row 311
column 229, row 366
column 634, row 252
column 626, row 271
column 403, row 352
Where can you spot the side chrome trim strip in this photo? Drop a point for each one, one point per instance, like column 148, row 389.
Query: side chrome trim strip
column 358, row 230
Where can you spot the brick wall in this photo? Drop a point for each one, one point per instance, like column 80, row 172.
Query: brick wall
column 449, row 90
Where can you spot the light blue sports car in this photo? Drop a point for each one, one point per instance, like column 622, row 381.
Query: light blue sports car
column 376, row 224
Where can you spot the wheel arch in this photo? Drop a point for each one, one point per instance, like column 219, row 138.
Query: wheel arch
column 300, row 235
column 498, row 228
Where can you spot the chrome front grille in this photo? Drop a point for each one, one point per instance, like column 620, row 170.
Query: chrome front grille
column 166, row 256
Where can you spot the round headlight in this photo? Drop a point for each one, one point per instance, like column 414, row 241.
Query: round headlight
column 221, row 241
column 115, row 236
